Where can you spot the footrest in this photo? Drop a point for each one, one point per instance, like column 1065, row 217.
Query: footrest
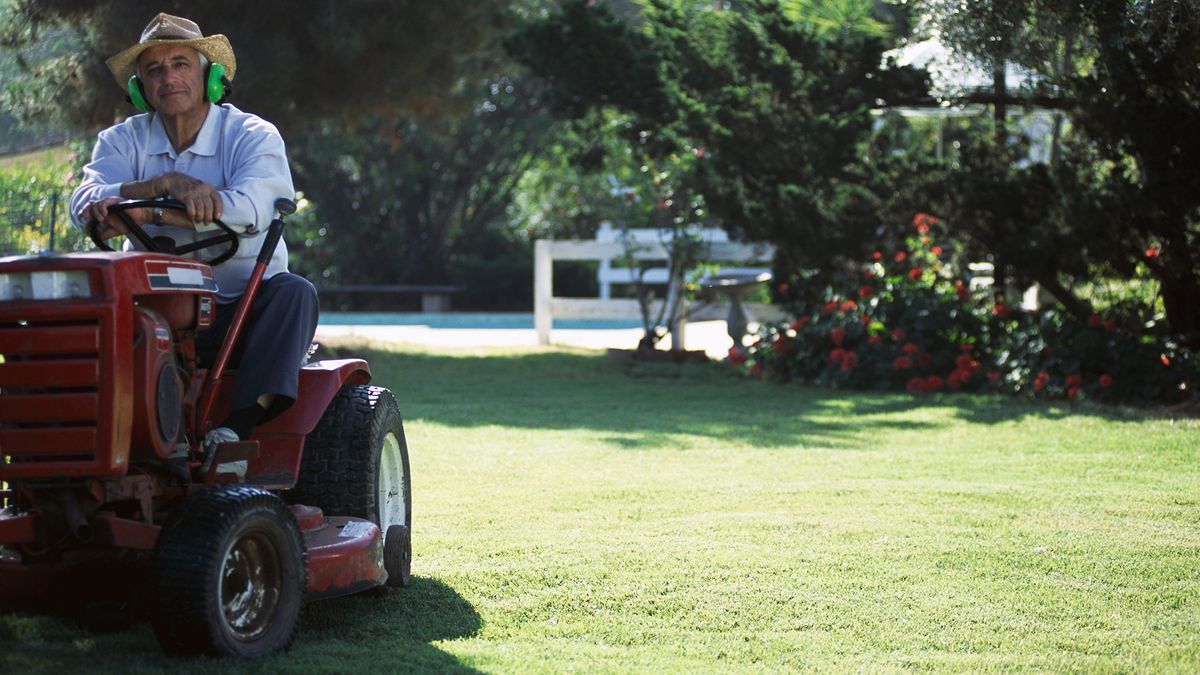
column 228, row 452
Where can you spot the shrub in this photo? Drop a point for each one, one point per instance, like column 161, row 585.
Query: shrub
column 34, row 197
column 909, row 319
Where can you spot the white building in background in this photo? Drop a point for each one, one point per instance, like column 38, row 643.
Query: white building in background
column 955, row 78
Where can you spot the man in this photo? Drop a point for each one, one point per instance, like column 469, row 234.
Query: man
column 222, row 164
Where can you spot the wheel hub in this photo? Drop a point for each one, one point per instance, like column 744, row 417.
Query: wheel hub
column 250, row 584
column 391, row 497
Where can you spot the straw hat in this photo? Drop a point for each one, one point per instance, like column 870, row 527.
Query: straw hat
column 166, row 29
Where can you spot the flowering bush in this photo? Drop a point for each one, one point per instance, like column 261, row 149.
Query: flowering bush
column 908, row 319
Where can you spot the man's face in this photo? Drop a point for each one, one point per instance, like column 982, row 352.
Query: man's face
column 172, row 78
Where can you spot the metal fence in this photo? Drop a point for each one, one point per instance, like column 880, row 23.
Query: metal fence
column 35, row 221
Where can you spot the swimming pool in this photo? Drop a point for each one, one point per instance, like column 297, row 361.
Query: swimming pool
column 468, row 320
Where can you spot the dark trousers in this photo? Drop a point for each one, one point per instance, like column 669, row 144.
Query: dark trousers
column 275, row 339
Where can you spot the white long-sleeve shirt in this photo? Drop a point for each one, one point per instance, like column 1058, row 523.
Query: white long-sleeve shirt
column 239, row 154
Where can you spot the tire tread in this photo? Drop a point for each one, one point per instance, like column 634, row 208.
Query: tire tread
column 188, row 553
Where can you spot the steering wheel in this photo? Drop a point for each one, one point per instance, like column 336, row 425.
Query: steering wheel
column 166, row 244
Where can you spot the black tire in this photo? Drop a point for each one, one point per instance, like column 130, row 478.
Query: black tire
column 397, row 556
column 356, row 460
column 230, row 575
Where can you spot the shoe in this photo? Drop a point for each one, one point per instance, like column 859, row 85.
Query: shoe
column 218, row 436
column 224, row 435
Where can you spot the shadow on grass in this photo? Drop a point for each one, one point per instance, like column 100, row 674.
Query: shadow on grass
column 398, row 628
column 353, row 634
column 644, row 404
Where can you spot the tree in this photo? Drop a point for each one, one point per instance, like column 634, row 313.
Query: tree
column 396, row 203
column 405, row 134
column 776, row 107
column 299, row 60
column 1124, row 192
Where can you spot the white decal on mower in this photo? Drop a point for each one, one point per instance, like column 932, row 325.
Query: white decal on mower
column 355, row 529
column 185, row 276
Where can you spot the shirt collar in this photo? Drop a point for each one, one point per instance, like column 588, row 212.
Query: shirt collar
column 206, row 140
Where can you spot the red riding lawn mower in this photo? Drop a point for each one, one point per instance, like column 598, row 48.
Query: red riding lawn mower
column 110, row 504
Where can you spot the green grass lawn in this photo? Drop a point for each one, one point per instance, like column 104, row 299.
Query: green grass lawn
column 575, row 514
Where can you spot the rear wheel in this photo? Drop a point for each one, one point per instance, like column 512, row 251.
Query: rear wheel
column 230, row 575
column 356, row 464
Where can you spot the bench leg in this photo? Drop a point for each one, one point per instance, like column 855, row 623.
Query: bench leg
column 433, row 303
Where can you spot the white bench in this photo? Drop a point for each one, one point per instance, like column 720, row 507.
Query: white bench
column 608, row 247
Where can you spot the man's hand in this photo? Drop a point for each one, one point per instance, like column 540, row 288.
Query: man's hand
column 110, row 224
column 202, row 200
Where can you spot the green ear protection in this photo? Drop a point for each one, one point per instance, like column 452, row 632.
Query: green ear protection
column 216, row 88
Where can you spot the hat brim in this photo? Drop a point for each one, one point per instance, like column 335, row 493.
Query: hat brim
column 215, row 48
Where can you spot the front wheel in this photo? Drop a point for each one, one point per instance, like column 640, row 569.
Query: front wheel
column 230, row 575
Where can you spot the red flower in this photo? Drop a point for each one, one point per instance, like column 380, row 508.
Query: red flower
column 994, row 377
column 868, row 275
column 915, row 385
column 899, row 334
column 964, row 361
column 849, row 361
column 961, row 290
column 1095, row 321
column 936, row 250
column 874, row 340
column 1072, row 392
column 736, row 356
column 698, row 152
column 837, row 355
column 1166, row 360
column 915, row 274
column 923, row 219
column 959, row 377
column 1041, row 380
column 1152, row 252
column 902, row 363
column 849, row 306
column 837, row 335
column 1110, row 326
column 966, row 347
column 1106, row 380
column 756, row 370
column 876, row 256
column 866, row 292
column 800, row 323
column 934, row 383
column 783, row 288
column 1001, row 311
column 1075, row 380
column 829, row 307
column 925, row 240
column 900, row 256
column 866, row 320
column 955, row 380
column 910, row 348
